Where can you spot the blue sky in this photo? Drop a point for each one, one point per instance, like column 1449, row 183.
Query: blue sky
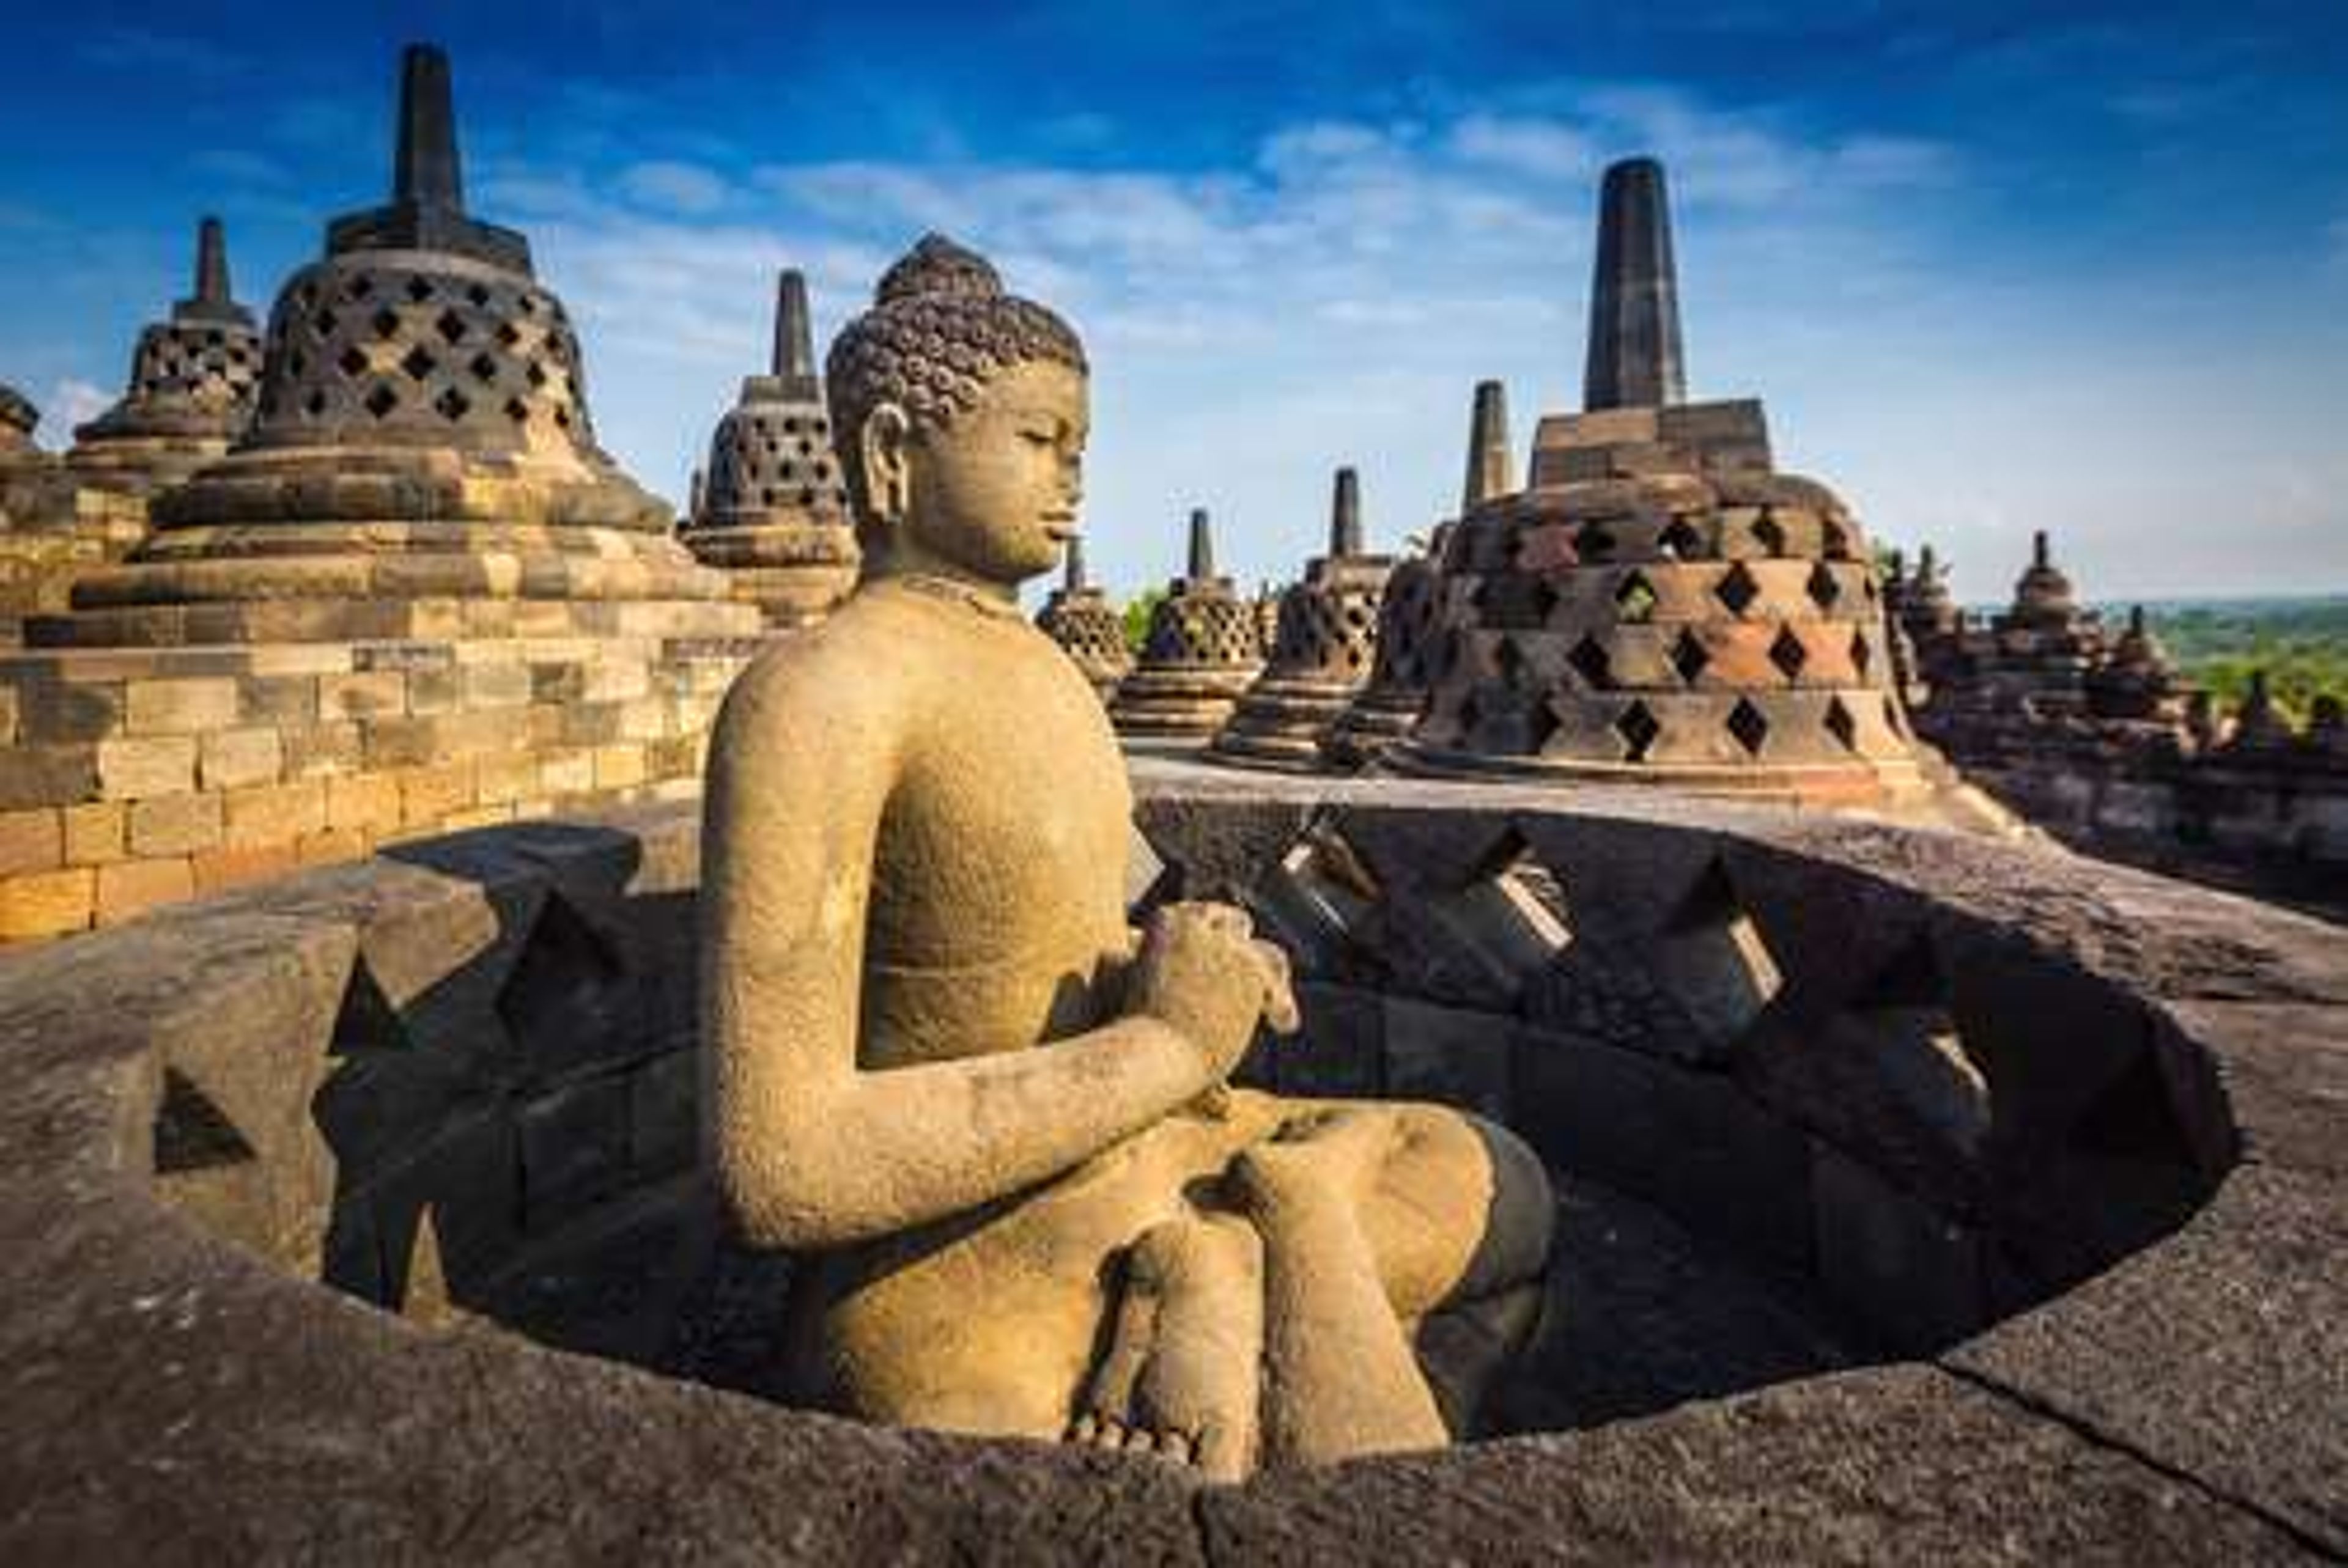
column 1994, row 266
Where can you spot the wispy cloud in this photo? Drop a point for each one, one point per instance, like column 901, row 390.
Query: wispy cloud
column 71, row 402
column 674, row 187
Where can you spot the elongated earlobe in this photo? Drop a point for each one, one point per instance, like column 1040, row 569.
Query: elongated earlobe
column 888, row 478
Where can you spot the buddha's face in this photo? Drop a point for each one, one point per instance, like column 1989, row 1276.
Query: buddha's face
column 994, row 495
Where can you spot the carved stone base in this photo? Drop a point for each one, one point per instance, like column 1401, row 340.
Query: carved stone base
column 1373, row 723
column 1278, row 726
column 1179, row 704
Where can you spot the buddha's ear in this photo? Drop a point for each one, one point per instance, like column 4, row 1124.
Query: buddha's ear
column 881, row 449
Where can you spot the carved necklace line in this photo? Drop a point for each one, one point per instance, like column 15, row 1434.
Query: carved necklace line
column 934, row 586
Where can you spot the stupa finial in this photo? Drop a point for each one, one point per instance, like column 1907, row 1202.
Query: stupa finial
column 426, row 168
column 1634, row 311
column 1487, row 447
column 426, row 210
column 794, row 359
column 2040, row 557
column 1345, row 514
column 210, row 300
column 1202, row 547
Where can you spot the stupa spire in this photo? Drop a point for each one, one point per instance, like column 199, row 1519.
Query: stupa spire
column 1072, row 576
column 1487, row 447
column 209, row 299
column 426, row 168
column 794, row 355
column 1202, row 547
column 1345, row 514
column 1634, row 312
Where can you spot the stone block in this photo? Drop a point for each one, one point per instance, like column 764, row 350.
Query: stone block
column 231, row 759
column 1909, row 1274
column 430, row 795
column 497, row 686
column 236, row 865
column 95, row 833
column 47, row 903
column 275, row 814
column 131, row 887
column 316, row 750
column 174, row 825
column 131, row 768
column 367, row 803
column 619, row 767
column 575, row 1147
column 31, row 840
column 567, row 772
column 440, row 691
column 57, row 711
column 1685, row 1140
column 330, row 846
column 1453, row 1056
column 278, row 699
column 366, row 694
column 181, row 707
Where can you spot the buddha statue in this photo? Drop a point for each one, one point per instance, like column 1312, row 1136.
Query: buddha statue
column 990, row 1120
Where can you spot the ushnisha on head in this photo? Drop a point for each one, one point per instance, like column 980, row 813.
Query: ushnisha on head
column 959, row 414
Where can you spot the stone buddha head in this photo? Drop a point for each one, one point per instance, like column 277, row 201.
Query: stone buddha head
column 960, row 416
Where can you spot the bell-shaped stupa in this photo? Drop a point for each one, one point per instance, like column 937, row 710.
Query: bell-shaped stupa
column 770, row 509
column 1199, row 654
column 1080, row 618
column 1322, row 653
column 421, row 461
column 1386, row 707
column 414, row 596
column 1660, row 606
column 193, row 380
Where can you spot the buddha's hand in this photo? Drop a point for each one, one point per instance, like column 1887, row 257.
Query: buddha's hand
column 1203, row 974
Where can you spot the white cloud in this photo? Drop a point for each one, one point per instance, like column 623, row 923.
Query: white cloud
column 669, row 185
column 72, row 402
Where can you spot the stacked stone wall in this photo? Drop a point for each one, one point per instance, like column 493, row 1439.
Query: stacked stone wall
column 135, row 777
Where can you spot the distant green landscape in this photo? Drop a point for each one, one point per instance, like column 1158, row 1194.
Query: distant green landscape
column 2300, row 643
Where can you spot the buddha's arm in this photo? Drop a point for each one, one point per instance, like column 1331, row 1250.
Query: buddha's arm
column 808, row 1150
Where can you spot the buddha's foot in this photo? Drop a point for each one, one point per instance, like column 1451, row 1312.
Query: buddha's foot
column 1179, row 1377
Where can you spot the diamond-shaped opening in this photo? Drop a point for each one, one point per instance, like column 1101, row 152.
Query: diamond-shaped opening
column 1639, row 731
column 1842, row 725
column 1511, row 661
column 529, row 304
column 1688, row 656
column 1680, row 539
column 1769, row 534
column 516, row 410
column 477, row 293
column 1634, row 598
column 1862, row 654
column 1594, row 543
column 450, row 326
column 1714, row 961
column 297, row 361
column 353, row 361
column 509, row 334
column 315, row 403
column 418, row 365
column 534, row 374
column 1824, row 591
column 568, row 997
column 1787, row 652
column 1736, row 588
column 382, row 400
column 324, row 323
column 386, row 323
column 1833, row 542
column 419, row 288
column 484, row 368
column 453, row 405
column 1747, row 724
column 192, row 1132
column 1590, row 662
column 359, row 287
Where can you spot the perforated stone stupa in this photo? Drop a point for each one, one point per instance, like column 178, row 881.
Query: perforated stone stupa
column 1199, row 654
column 1088, row 628
column 415, row 596
column 772, row 510
column 1660, row 605
column 193, row 379
column 1386, row 707
column 1322, row 654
